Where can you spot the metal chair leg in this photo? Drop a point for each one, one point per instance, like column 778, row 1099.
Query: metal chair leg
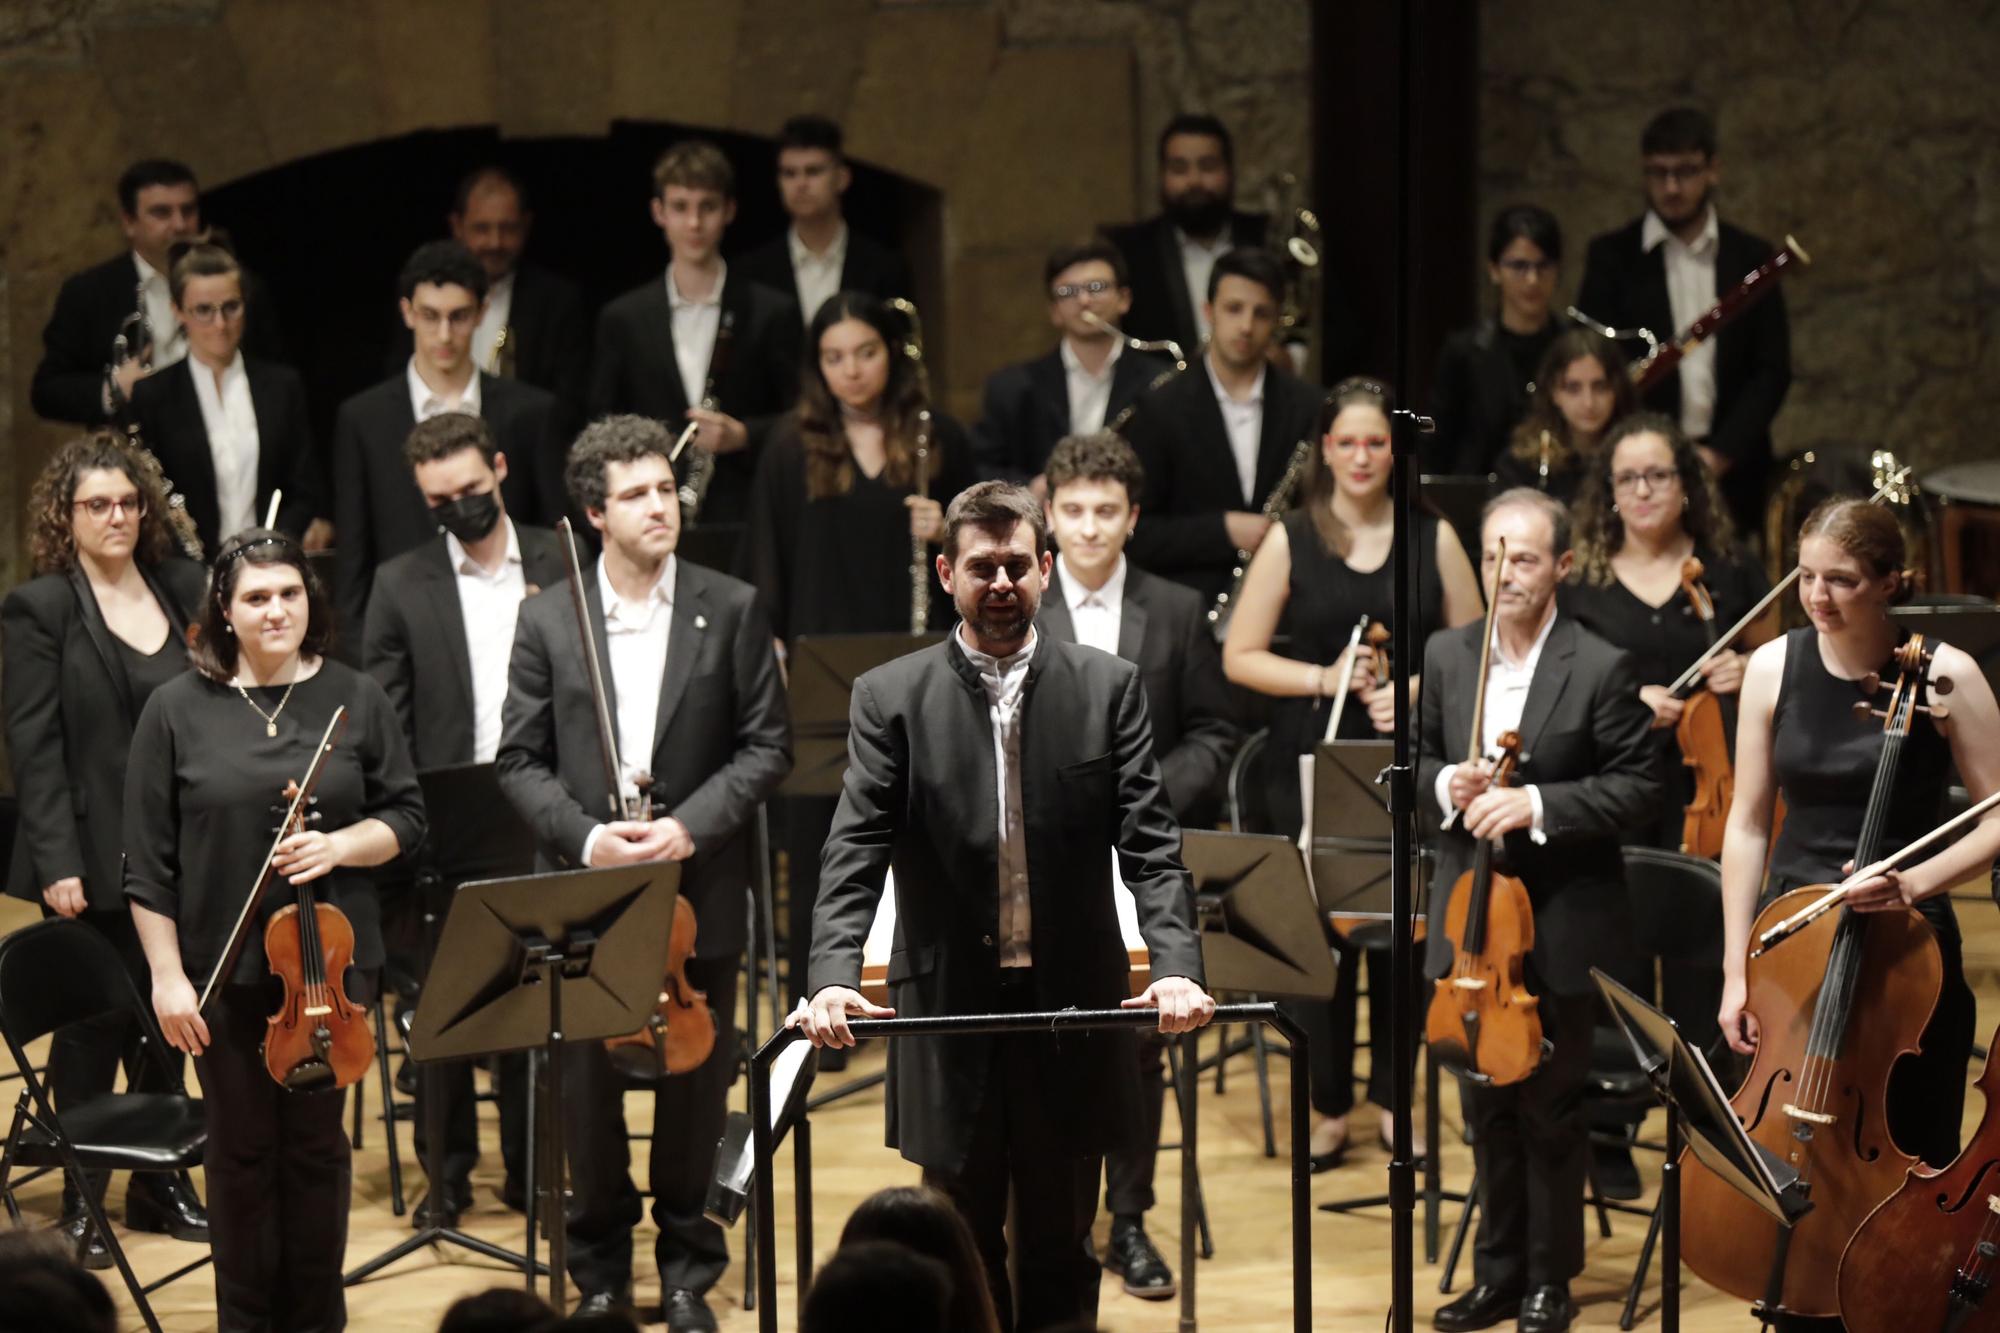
column 1200, row 1198
column 388, row 1081
column 1595, row 1196
column 1459, row 1233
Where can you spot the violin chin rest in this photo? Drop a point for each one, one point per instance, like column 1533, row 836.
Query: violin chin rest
column 309, row 1076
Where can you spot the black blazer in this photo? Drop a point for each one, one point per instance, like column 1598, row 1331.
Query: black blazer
column 76, row 342
column 1478, row 396
column 869, row 266
column 551, row 337
column 756, row 373
column 1162, row 305
column 378, row 512
column 168, row 413
column 1026, row 410
column 1588, row 748
column 70, row 715
column 415, row 644
column 1163, row 630
column 919, row 796
column 1626, row 287
column 1191, row 476
column 721, row 745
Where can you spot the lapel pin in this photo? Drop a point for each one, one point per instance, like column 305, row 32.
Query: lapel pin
column 701, row 622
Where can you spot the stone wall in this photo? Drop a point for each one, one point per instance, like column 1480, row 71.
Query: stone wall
column 1869, row 129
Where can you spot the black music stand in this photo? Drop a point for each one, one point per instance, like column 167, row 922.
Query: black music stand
column 1698, row 1111
column 1259, row 931
column 540, row 962
column 1458, row 498
column 818, row 683
column 792, row 1074
column 473, row 834
column 1971, row 624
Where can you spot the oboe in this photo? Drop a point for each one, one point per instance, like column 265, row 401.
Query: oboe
column 1275, row 505
column 920, row 548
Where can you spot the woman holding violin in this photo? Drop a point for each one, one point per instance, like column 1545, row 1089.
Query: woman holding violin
column 84, row 645
column 211, row 761
column 1328, row 565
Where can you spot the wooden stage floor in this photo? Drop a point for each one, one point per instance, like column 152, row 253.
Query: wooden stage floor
column 1246, row 1286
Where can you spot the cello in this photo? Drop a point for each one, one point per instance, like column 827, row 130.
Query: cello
column 1817, row 1086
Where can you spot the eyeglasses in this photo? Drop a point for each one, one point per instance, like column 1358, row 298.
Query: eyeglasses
column 1527, row 268
column 1656, row 479
column 1069, row 291
column 99, row 507
column 207, row 313
column 1681, row 175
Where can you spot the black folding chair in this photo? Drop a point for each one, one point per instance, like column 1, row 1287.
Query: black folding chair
column 59, row 972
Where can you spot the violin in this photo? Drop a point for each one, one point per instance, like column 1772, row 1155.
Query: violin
column 1704, row 740
column 1818, row 1084
column 319, row 1038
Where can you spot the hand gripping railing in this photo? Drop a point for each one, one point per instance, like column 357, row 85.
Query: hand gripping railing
column 1065, row 1020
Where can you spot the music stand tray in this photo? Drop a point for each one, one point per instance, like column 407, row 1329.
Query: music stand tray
column 1260, row 931
column 818, row 683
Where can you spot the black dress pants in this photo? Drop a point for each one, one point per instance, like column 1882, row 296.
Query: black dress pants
column 450, row 1081
column 688, row 1112
column 1530, row 1144
column 1012, row 1155
column 280, row 1172
column 1128, row 1174
column 1329, row 1029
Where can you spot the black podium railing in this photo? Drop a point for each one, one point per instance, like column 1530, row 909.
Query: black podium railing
column 1065, row 1020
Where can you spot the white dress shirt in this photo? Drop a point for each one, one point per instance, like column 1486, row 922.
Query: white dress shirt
column 696, row 324
column 635, row 639
column 1690, row 293
column 490, row 602
column 231, row 421
column 1197, row 259
column 1244, row 420
column 499, row 309
column 1004, row 678
column 1095, row 614
column 170, row 344
column 1507, row 683
column 1089, row 395
column 426, row 402
column 816, row 275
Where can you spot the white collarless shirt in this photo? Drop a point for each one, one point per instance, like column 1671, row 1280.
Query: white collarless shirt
column 170, row 344
column 1197, row 261
column 230, row 418
column 1089, row 395
column 1005, row 679
column 1096, row 614
column 1690, row 293
column 1244, row 420
column 426, row 402
column 1507, row 683
column 486, row 336
column 489, row 601
column 636, row 636
column 696, row 325
column 817, row 276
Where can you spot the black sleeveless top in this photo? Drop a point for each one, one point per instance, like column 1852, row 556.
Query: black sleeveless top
column 1325, row 598
column 1824, row 758
column 148, row 671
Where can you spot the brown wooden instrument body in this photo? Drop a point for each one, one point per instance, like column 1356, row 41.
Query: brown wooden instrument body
column 1704, row 743
column 681, row 1033
column 318, row 1038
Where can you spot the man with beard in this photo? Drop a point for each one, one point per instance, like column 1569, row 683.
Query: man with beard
column 1012, row 760
column 1666, row 268
column 1215, row 440
column 1169, row 256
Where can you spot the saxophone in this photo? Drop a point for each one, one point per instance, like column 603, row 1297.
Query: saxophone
column 920, row 549
column 1173, row 349
column 1275, row 505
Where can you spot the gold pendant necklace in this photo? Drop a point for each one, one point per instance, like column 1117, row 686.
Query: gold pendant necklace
column 270, row 718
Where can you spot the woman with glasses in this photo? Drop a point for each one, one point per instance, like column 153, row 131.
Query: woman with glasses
column 1581, row 388
column 84, row 644
column 1327, row 565
column 228, row 429
column 1486, row 373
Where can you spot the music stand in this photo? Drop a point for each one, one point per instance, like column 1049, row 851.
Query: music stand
column 1259, row 931
column 819, row 680
column 1458, row 498
column 544, row 961
column 1971, row 625
column 474, row 833
column 1698, row 1111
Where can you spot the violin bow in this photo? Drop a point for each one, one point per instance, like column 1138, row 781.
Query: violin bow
column 1486, row 655
column 1346, row 678
column 607, row 733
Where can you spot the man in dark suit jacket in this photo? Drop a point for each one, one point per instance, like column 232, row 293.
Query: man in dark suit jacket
column 378, row 512
column 159, row 203
column 818, row 254
column 440, row 629
column 1089, row 380
column 1196, row 434
column 998, row 772
column 700, row 344
column 710, row 727
column 1666, row 268
column 1586, row 775
column 1100, row 599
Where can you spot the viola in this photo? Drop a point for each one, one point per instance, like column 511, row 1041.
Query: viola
column 319, row 1037
column 1704, row 740
column 1818, row 1083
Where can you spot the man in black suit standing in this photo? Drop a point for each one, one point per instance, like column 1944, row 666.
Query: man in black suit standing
column 378, row 512
column 1088, row 380
column 440, row 629
column 998, row 773
column 1100, row 599
column 1216, row 440
column 699, row 344
column 819, row 255
column 700, row 715
column 159, row 203
column 1666, row 268
column 1585, row 776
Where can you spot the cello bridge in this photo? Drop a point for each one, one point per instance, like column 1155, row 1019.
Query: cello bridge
column 1810, row 1117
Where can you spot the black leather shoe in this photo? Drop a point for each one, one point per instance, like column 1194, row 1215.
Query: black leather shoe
column 604, row 1302
column 166, row 1204
column 1133, row 1254
column 457, row 1201
column 1547, row 1310
column 687, row 1312
column 94, row 1254
column 1482, row 1307
column 514, row 1194
column 1617, row 1173
column 406, row 1078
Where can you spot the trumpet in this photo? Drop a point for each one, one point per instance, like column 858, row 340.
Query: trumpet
column 1152, row 345
column 920, row 552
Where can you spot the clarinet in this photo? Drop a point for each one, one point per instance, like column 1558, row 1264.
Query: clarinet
column 701, row 463
column 1274, row 508
column 920, row 548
